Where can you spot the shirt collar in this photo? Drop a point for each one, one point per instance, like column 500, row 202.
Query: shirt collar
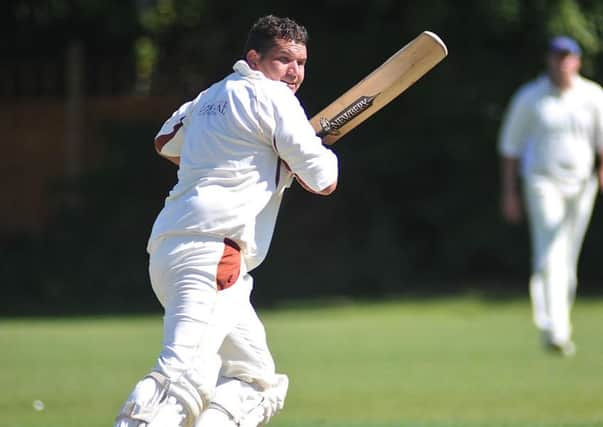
column 242, row 67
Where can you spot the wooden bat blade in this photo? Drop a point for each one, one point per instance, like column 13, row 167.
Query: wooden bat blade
column 380, row 87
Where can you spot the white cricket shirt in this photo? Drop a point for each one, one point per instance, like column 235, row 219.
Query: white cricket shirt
column 554, row 133
column 240, row 142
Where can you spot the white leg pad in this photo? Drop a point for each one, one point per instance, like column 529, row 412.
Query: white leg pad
column 248, row 405
column 272, row 401
column 156, row 402
column 216, row 416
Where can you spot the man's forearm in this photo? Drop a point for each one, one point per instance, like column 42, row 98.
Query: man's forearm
column 509, row 175
column 600, row 170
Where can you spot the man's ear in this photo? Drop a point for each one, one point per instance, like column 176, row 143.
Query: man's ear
column 252, row 58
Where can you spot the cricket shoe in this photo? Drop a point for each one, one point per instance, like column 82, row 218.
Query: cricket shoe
column 566, row 349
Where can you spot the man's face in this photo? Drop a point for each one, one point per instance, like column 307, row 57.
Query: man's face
column 284, row 62
column 563, row 66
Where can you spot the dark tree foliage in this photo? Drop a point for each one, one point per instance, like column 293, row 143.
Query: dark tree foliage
column 34, row 27
column 417, row 205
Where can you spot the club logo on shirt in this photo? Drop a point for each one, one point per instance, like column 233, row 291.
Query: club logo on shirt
column 213, row 108
column 331, row 126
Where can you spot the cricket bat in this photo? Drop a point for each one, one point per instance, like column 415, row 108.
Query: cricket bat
column 380, row 87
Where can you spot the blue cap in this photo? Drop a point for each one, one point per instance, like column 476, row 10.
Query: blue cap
column 564, row 44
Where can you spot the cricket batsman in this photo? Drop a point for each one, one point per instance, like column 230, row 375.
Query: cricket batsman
column 239, row 144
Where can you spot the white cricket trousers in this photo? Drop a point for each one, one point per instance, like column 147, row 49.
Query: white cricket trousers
column 204, row 288
column 558, row 218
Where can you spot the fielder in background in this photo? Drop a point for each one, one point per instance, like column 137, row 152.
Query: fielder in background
column 550, row 137
column 238, row 145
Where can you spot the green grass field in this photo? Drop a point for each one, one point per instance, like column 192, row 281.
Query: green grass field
column 429, row 363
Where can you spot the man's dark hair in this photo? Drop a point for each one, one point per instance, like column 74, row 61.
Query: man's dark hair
column 266, row 30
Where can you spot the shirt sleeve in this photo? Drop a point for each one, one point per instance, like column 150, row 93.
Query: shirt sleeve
column 598, row 120
column 298, row 146
column 513, row 132
column 169, row 139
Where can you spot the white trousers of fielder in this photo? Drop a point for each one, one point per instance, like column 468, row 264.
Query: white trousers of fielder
column 558, row 218
column 212, row 337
